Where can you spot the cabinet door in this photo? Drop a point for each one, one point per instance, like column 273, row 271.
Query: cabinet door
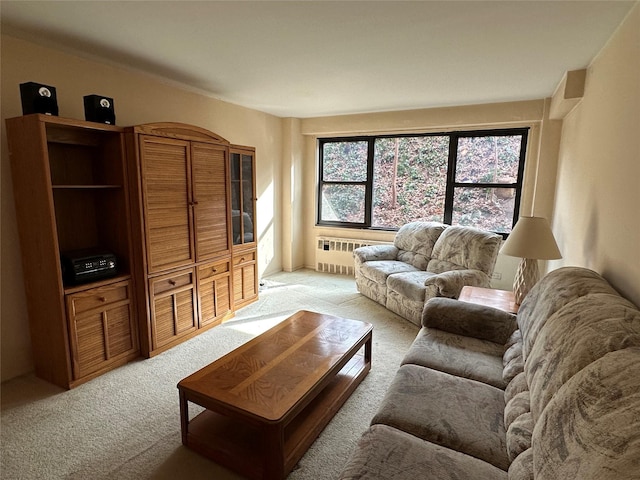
column 245, row 278
column 101, row 327
column 243, row 196
column 166, row 185
column 173, row 307
column 210, row 193
column 214, row 291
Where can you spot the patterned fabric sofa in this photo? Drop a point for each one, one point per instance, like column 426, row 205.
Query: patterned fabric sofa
column 427, row 259
column 551, row 394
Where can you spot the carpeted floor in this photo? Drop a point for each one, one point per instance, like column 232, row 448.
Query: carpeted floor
column 126, row 423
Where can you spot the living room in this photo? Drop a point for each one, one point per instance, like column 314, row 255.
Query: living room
column 582, row 171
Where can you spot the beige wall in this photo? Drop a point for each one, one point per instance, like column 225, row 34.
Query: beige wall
column 138, row 99
column 597, row 210
column 540, row 166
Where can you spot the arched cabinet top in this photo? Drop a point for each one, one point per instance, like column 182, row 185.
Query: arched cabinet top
column 180, row 130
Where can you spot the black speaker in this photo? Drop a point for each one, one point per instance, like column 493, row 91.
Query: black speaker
column 99, row 109
column 38, row 98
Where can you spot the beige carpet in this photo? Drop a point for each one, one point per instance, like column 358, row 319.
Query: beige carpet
column 126, row 424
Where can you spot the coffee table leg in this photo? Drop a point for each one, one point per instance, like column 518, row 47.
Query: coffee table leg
column 367, row 349
column 184, row 416
column 274, row 449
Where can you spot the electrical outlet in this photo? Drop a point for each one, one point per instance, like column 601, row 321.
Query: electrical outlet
column 497, row 276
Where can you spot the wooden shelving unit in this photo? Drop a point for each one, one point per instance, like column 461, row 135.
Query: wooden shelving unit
column 71, row 192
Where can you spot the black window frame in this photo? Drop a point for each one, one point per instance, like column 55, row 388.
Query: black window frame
column 451, row 184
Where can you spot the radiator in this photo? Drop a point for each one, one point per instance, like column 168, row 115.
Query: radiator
column 335, row 255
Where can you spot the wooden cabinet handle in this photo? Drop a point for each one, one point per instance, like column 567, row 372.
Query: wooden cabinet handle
column 102, row 299
column 214, row 270
column 172, row 282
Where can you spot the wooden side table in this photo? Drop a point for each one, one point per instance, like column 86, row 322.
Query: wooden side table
column 501, row 299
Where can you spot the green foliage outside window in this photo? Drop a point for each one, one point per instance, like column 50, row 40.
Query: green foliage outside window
column 385, row 182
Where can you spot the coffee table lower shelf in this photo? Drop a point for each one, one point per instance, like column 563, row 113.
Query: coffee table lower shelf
column 244, row 447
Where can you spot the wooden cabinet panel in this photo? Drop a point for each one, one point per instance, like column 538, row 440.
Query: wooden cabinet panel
column 101, row 328
column 243, row 195
column 210, row 192
column 184, row 221
column 245, row 278
column 173, row 310
column 166, row 184
column 214, row 291
column 70, row 183
column 98, row 298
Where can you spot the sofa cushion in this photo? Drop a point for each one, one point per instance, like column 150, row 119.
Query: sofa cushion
column 518, row 405
column 409, row 284
column 519, row 435
column 458, row 355
column 516, row 386
column 576, row 335
column 385, row 453
column 590, row 428
column 468, row 319
column 465, row 247
column 513, row 367
column 557, row 288
column 451, row 411
column 522, row 467
column 379, row 270
column 513, row 349
column 416, row 240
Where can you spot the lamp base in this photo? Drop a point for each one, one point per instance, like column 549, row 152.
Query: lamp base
column 526, row 277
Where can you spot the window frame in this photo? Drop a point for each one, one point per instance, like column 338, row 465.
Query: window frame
column 451, row 184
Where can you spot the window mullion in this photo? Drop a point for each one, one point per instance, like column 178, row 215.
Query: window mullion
column 368, row 196
column 451, row 177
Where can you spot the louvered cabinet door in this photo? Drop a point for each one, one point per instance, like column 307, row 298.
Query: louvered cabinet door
column 101, row 328
column 168, row 217
column 245, row 278
column 209, row 164
column 173, row 307
column 214, row 292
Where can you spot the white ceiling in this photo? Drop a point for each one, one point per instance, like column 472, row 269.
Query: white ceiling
column 316, row 58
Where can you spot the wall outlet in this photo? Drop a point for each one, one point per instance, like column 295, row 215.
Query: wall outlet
column 497, row 276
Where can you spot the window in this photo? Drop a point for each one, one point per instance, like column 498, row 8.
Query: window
column 459, row 178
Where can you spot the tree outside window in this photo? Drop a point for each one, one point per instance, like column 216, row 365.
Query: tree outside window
column 459, row 178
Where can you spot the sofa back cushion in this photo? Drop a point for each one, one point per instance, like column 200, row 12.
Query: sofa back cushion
column 461, row 248
column 415, row 242
column 575, row 336
column 557, row 289
column 589, row 429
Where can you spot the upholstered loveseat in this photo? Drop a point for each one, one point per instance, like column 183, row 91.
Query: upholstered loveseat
column 427, row 259
column 482, row 395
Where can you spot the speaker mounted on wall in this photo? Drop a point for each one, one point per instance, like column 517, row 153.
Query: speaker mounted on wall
column 38, row 98
column 98, row 108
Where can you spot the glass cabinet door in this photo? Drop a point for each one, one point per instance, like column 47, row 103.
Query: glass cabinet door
column 242, row 197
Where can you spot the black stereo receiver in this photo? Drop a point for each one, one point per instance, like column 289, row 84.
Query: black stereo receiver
column 80, row 266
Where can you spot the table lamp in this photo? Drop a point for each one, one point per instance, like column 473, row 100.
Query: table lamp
column 532, row 240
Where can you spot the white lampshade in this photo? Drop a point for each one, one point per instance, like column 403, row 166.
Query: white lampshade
column 532, row 240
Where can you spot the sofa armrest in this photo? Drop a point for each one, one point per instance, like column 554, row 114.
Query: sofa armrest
column 375, row 252
column 450, row 283
column 469, row 319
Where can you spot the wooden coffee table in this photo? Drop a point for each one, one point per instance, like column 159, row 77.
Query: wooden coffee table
column 268, row 400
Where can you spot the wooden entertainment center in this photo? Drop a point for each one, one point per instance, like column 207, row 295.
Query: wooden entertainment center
column 175, row 205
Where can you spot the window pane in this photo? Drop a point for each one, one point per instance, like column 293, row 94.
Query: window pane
column 344, row 162
column 493, row 159
column 342, row 203
column 409, row 180
column 485, row 208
